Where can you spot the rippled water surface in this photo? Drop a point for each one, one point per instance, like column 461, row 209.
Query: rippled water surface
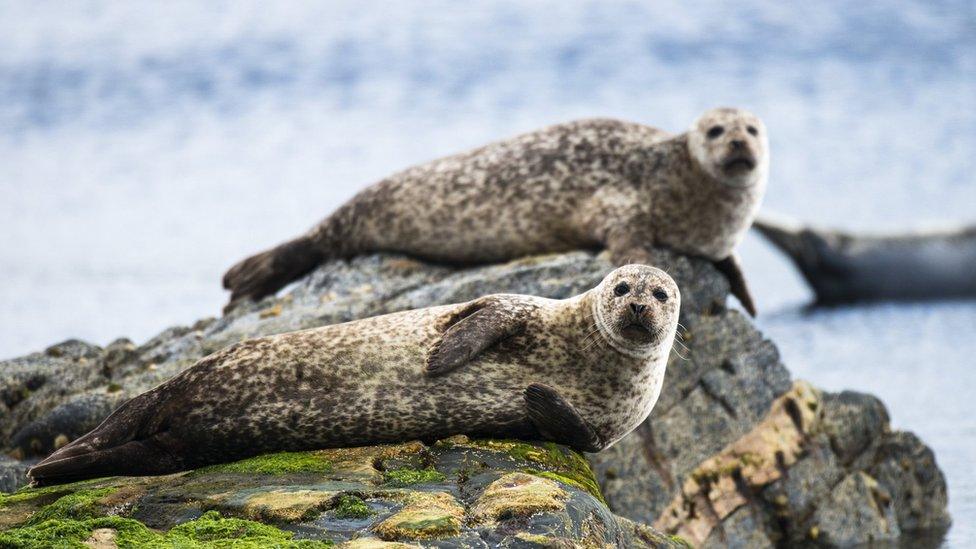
column 142, row 151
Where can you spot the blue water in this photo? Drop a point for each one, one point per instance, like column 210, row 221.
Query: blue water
column 145, row 147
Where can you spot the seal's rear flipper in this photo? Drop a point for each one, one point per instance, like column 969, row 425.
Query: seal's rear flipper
column 786, row 237
column 557, row 420
column 130, row 459
column 271, row 270
column 737, row 282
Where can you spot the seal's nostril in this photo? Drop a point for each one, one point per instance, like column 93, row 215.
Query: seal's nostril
column 637, row 308
column 738, row 144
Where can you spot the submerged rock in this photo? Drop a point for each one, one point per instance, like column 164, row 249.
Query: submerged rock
column 735, row 453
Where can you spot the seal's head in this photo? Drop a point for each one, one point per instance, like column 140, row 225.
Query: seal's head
column 636, row 310
column 731, row 146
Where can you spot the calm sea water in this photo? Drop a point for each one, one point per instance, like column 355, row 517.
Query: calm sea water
column 144, row 149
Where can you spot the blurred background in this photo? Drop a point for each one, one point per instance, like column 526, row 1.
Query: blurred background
column 145, row 148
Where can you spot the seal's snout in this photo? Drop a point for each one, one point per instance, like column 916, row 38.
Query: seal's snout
column 639, row 325
column 740, row 160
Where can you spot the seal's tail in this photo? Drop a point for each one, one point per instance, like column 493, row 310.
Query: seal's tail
column 269, row 271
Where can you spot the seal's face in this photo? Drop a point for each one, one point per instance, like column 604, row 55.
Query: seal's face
column 731, row 146
column 636, row 309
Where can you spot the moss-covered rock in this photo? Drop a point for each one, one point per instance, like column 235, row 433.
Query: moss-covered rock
column 426, row 515
column 548, row 460
column 406, row 476
column 210, row 531
column 287, row 505
column 518, row 494
column 459, row 492
column 277, row 464
column 352, row 507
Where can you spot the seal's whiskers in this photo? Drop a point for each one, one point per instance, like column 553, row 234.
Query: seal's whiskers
column 675, row 349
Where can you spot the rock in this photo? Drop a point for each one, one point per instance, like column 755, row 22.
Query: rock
column 859, row 511
column 728, row 481
column 484, row 493
column 424, row 516
column 34, row 384
column 735, row 453
column 853, row 421
column 103, row 538
column 64, row 423
column 12, row 473
column 518, row 495
column 907, row 470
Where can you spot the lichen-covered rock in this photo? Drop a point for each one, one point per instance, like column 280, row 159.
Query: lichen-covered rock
column 466, row 493
column 726, row 397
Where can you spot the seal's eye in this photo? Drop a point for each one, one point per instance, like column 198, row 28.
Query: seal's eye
column 715, row 131
column 752, row 130
column 621, row 289
column 660, row 295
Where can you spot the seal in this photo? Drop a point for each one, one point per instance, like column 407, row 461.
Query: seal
column 583, row 371
column 588, row 184
column 845, row 268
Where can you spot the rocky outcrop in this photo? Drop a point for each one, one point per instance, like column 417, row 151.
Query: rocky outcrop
column 457, row 492
column 735, row 453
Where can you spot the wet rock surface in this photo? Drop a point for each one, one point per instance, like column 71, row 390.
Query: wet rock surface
column 456, row 492
column 735, row 454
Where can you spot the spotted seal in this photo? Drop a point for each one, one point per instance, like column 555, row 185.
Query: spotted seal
column 846, row 268
column 583, row 371
column 598, row 184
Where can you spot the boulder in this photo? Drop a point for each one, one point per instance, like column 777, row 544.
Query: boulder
column 736, row 453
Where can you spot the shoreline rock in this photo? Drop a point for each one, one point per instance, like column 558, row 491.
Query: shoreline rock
column 834, row 473
column 456, row 492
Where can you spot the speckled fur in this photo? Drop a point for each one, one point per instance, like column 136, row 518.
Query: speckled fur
column 585, row 184
column 364, row 382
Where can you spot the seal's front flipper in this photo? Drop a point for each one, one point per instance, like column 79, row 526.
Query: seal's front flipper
column 558, row 421
column 737, row 281
column 470, row 336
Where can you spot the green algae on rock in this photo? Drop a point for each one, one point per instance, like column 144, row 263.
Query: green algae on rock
column 406, row 477
column 352, row 507
column 518, row 494
column 80, row 505
column 287, row 505
column 561, row 464
column 276, row 464
column 457, row 493
column 210, row 531
column 426, row 515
